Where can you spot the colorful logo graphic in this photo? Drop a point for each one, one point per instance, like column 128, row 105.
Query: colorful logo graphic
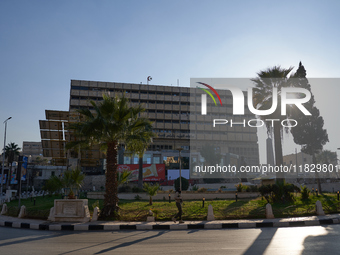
column 208, row 92
column 204, row 97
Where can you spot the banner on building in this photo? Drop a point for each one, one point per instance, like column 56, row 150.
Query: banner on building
column 14, row 179
column 3, row 179
column 151, row 172
column 24, row 168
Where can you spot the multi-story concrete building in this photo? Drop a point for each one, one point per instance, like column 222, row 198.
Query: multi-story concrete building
column 174, row 121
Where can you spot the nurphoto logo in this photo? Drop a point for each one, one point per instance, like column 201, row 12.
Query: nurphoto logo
column 288, row 96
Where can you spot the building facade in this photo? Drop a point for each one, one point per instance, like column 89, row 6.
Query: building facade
column 170, row 108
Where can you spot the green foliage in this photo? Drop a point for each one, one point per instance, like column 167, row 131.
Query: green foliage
column 151, row 190
column 195, row 188
column 265, row 82
column 53, row 185
column 138, row 197
column 95, row 204
column 239, row 187
column 124, row 188
column 304, row 193
column 185, row 183
column 202, row 190
column 73, row 179
column 265, row 191
column 11, row 151
column 112, row 122
column 123, row 177
column 136, row 189
column 310, row 132
column 278, row 192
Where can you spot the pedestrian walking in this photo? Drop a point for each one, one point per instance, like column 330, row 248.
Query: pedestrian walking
column 179, row 201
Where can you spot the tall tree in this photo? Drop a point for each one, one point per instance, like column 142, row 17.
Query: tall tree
column 265, row 82
column 309, row 132
column 139, row 145
column 11, row 153
column 112, row 122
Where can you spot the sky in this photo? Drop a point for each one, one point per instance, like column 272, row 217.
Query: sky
column 45, row 44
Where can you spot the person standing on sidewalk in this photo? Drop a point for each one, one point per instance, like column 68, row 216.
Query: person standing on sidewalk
column 179, row 201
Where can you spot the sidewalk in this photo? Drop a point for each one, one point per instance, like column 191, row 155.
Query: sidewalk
column 13, row 222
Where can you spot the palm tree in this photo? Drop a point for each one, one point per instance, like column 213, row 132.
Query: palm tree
column 123, row 177
column 11, row 152
column 139, row 145
column 112, row 123
column 151, row 190
column 265, row 82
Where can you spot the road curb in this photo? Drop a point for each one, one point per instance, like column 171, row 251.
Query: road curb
column 107, row 226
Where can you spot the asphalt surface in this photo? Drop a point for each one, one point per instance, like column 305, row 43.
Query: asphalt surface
column 14, row 222
column 279, row 241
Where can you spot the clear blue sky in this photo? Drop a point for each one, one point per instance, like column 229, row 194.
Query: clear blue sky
column 45, row 44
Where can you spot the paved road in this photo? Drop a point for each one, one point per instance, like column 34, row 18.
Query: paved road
column 297, row 240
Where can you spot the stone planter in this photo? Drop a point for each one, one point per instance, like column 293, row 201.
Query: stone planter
column 74, row 210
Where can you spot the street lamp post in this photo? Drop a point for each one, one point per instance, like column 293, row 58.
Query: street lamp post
column 3, row 157
column 180, row 169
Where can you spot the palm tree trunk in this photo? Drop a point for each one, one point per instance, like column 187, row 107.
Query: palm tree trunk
column 111, row 196
column 140, row 172
column 278, row 150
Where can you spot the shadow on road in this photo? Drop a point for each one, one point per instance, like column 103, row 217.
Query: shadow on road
column 323, row 244
column 132, row 242
column 24, row 236
column 262, row 242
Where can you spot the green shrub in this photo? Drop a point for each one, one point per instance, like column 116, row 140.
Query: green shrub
column 124, row 188
column 195, row 188
column 239, row 187
column 202, row 190
column 95, row 204
column 135, row 189
column 151, row 190
column 304, row 193
column 265, row 191
column 253, row 188
column 278, row 192
column 185, row 183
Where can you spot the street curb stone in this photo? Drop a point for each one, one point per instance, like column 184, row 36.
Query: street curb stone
column 12, row 222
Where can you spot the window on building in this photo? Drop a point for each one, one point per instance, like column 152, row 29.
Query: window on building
column 157, row 160
column 127, row 160
column 147, row 158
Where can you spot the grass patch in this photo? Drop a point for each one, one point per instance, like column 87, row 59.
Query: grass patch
column 132, row 210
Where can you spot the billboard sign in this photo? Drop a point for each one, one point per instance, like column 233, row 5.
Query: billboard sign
column 151, row 172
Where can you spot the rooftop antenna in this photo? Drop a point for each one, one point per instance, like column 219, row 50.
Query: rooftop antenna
column 148, row 79
column 177, row 82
